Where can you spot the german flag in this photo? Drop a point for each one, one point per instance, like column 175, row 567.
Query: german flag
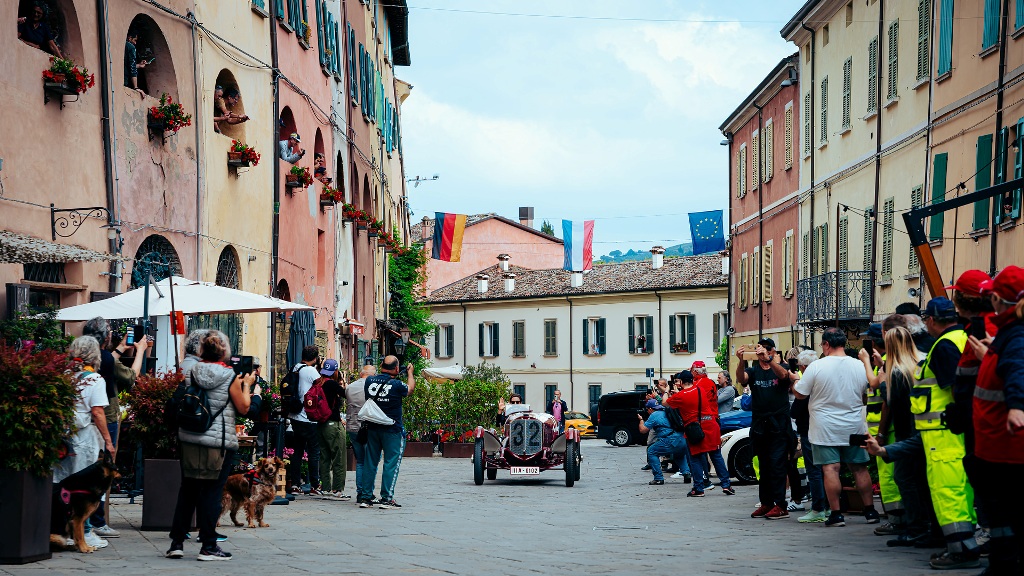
column 448, row 229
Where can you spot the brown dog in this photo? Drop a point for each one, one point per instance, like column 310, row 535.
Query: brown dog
column 75, row 499
column 253, row 491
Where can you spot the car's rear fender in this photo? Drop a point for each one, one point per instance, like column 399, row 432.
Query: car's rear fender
column 491, row 442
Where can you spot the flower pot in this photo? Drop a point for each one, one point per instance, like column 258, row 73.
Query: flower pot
column 325, row 202
column 457, row 450
column 850, row 501
column 25, row 509
column 160, row 485
column 235, row 159
column 360, row 225
column 418, row 450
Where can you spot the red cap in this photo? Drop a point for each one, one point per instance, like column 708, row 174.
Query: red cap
column 969, row 283
column 1008, row 284
column 697, row 364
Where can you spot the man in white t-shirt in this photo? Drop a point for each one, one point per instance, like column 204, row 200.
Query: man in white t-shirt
column 305, row 437
column 836, row 385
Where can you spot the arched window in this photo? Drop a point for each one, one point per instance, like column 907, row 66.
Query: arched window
column 157, row 257
column 287, row 123
column 319, row 158
column 227, row 268
column 282, row 291
column 230, row 100
column 229, row 324
column 157, row 76
column 54, row 20
column 365, row 200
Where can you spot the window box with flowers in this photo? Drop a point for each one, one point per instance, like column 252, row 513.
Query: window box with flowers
column 65, row 78
column 298, row 177
column 305, row 34
column 362, row 219
column 242, row 156
column 330, row 196
column 376, row 227
column 169, row 116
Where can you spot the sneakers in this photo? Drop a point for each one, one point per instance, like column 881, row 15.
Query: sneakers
column 315, row 492
column 175, row 551
column 795, row 506
column 646, row 467
column 982, row 536
column 392, row 505
column 835, row 520
column 213, row 554
column 105, row 531
column 339, row 496
column 813, row 516
column 220, row 537
column 886, row 529
column 695, row 493
column 679, row 475
column 761, row 511
column 656, row 482
column 295, row 490
column 95, row 541
column 365, row 502
column 872, row 516
column 707, row 484
column 729, row 491
column 777, row 513
column 947, row 561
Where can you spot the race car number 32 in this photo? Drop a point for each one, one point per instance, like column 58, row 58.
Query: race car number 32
column 525, row 470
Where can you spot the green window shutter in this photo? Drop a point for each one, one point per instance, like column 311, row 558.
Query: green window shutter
column 601, row 335
column 716, row 330
column 437, row 341
column 887, row 222
column 990, row 34
column 649, row 346
column 494, row 340
column 847, row 81
column 450, row 339
column 873, row 75
column 824, row 110
column 805, row 268
column 631, row 334
column 946, row 37
column 1018, row 159
column 916, row 201
column 937, row 221
column 868, row 240
column 924, row 30
column 1019, row 19
column 1002, row 141
column 362, row 78
column 280, row 8
column 321, row 11
column 894, row 54
column 816, row 251
column 586, row 336
column 305, row 17
column 352, row 63
column 481, row 339
column 691, row 333
column 672, row 331
column 982, row 180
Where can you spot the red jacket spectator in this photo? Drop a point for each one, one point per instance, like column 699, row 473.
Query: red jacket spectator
column 699, row 399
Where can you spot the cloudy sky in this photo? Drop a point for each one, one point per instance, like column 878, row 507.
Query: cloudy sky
column 613, row 116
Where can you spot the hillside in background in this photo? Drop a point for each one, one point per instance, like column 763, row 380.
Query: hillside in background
column 618, row 256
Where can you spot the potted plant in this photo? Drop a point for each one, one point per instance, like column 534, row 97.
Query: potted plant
column 362, row 219
column 147, row 403
column 298, row 177
column 679, row 347
column 66, row 77
column 241, row 155
column 330, row 196
column 37, row 409
column 168, row 116
column 375, row 228
column 305, row 34
column 348, row 212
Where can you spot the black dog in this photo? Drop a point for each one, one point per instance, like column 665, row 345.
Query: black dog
column 75, row 499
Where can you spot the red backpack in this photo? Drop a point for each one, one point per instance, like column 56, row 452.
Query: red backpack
column 315, row 403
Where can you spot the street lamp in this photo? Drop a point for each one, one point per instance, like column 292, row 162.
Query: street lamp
column 405, row 335
column 399, row 347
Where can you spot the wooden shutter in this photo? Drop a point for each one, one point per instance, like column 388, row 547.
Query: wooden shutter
column 843, row 258
column 936, row 222
column 601, row 335
column 868, row 240
column 847, row 81
column 739, row 173
column 1002, row 139
column 924, row 30
column 787, row 261
column 649, row 345
column 716, row 330
column 743, row 170
column 280, row 9
column 321, row 12
column 769, row 151
column 631, row 334
column 672, row 330
column 755, row 277
column 815, row 251
column 494, row 339
column 990, row 33
column 894, row 54
column 766, row 273
column 586, row 336
column 450, row 341
column 824, row 110
column 824, row 248
column 755, row 160
column 983, row 179
column 788, row 129
column 945, row 37
column 741, row 288
column 691, row 333
column 807, row 124
column 887, row 230
column 1018, row 158
column 805, row 260
column 481, row 339
column 873, row 75
column 437, row 341
column 352, row 81
column 916, row 201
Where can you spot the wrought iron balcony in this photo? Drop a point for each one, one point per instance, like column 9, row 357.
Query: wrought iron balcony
column 820, row 301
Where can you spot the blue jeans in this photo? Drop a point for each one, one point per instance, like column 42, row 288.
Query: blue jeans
column 673, row 446
column 364, row 482
column 815, row 482
column 697, row 461
column 392, row 445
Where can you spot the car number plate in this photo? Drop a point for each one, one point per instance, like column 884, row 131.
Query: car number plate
column 525, row 470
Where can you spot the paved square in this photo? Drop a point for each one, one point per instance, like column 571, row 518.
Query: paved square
column 611, row 522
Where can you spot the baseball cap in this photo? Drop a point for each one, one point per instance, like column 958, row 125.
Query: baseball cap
column 256, row 362
column 652, row 404
column 330, row 367
column 874, row 331
column 969, row 283
column 685, row 376
column 697, row 364
column 767, row 343
column 295, row 136
column 940, row 308
column 1008, row 284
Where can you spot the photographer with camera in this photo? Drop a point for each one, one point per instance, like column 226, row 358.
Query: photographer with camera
column 387, row 391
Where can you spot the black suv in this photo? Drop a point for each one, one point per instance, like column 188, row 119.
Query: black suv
column 616, row 417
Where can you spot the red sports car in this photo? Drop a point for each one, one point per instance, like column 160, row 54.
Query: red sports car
column 530, row 443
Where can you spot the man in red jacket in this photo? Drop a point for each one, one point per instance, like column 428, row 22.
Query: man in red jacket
column 698, row 402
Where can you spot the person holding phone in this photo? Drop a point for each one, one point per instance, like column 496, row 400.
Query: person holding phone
column 132, row 64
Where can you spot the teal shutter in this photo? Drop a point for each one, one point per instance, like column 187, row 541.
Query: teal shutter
column 649, row 346
column 280, row 8
column 938, row 195
column 691, row 333
column 946, row 37
column 1002, row 138
column 494, row 340
column 450, row 339
column 351, row 62
column 321, row 11
column 481, row 339
column 1018, row 159
column 983, row 179
column 990, row 34
column 1019, row 20
column 601, row 349
column 305, row 18
column 437, row 341
column 632, row 334
column 672, row 331
column 336, row 63
column 586, row 337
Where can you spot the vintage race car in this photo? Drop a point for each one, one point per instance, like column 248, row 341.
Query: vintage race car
column 529, row 443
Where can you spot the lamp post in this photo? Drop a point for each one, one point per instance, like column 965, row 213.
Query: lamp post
column 399, row 347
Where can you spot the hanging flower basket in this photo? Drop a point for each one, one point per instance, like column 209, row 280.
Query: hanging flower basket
column 64, row 77
column 330, row 196
column 348, row 212
column 298, row 177
column 241, row 155
column 169, row 115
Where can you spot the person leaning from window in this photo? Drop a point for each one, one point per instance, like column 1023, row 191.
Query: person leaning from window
column 36, row 33
column 224, row 100
column 289, row 149
column 132, row 64
column 500, row 417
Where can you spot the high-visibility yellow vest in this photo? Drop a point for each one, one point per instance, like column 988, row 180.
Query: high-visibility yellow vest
column 927, row 398
column 874, row 406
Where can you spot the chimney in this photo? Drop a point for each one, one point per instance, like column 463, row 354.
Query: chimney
column 725, row 265
column 503, row 261
column 510, row 281
column 481, row 283
column 657, row 257
column 427, row 232
column 526, row 216
column 576, row 280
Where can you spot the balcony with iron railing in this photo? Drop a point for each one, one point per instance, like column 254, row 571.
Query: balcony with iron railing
column 843, row 296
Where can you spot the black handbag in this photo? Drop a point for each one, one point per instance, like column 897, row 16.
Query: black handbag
column 694, row 433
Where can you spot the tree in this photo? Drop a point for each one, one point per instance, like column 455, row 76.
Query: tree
column 547, row 228
column 406, row 275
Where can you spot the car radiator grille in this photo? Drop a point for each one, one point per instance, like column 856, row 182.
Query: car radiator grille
column 526, row 436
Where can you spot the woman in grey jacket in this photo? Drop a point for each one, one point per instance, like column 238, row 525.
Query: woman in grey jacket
column 202, row 453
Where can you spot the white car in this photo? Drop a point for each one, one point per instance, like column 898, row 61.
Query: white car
column 738, row 453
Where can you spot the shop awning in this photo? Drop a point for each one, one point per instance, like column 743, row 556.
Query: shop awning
column 21, row 249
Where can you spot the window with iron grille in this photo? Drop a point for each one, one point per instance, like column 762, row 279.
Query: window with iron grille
column 847, row 81
column 755, row 159
column 156, row 256
column 807, row 124
column 924, row 30
column 227, row 268
column 868, row 239
column 519, row 339
column 551, row 337
column 894, row 54
column 844, row 246
column 888, row 212
column 755, row 280
column 824, row 111
column 47, row 272
column 789, row 136
column 873, row 75
column 769, row 150
column 916, row 201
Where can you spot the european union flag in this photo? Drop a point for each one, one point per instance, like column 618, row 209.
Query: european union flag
column 706, row 232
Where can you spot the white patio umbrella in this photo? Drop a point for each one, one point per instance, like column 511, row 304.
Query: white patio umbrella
column 453, row 372
column 190, row 297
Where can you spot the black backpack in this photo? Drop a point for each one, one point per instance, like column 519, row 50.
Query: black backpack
column 675, row 419
column 190, row 408
column 290, row 401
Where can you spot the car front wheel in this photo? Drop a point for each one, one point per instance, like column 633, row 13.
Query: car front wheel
column 741, row 462
column 478, row 462
column 620, row 437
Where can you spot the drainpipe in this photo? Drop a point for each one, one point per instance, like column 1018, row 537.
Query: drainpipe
column 810, row 224
column 878, row 164
column 199, row 166
column 760, row 219
column 465, row 335
column 275, row 122
column 729, row 296
column 571, row 349
column 108, row 165
column 1001, row 154
column 660, row 336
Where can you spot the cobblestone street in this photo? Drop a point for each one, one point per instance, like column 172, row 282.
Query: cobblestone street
column 611, row 522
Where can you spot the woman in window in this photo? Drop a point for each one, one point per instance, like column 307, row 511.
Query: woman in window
column 37, row 33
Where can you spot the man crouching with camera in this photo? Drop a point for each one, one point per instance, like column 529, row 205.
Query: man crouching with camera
column 386, row 391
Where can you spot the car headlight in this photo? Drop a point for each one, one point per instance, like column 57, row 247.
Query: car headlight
column 726, row 437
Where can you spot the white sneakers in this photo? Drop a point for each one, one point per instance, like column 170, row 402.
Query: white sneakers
column 105, row 531
column 93, row 540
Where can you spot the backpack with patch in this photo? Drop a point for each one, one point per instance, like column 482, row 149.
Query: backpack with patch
column 675, row 419
column 315, row 403
column 192, row 409
column 290, row 401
